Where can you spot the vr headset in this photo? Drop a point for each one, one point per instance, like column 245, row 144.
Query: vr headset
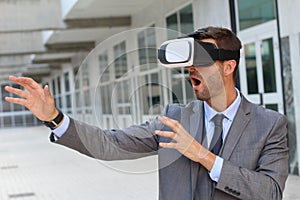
column 186, row 52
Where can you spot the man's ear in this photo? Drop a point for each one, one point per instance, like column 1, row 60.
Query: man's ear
column 229, row 67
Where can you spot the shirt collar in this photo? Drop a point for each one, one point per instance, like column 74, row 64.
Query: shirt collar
column 230, row 112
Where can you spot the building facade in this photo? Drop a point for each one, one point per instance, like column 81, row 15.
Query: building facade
column 120, row 83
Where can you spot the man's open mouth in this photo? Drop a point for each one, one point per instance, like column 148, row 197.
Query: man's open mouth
column 195, row 81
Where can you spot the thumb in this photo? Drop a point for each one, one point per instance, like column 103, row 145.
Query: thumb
column 47, row 92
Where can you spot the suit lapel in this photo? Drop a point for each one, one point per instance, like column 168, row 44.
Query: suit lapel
column 240, row 122
column 193, row 119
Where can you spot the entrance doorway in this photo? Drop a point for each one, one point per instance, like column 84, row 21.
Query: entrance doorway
column 260, row 70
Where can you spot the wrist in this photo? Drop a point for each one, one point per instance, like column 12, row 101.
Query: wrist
column 52, row 116
column 55, row 121
column 206, row 158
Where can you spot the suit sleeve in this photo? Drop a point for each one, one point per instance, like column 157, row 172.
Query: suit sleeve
column 129, row 143
column 267, row 181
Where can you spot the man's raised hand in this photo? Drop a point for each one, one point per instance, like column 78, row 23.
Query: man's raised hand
column 35, row 98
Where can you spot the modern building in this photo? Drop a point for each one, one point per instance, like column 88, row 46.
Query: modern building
column 99, row 57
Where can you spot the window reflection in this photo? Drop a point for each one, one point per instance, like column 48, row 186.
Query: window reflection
column 150, row 94
column 186, row 19
column 104, row 69
column 120, row 57
column 255, row 12
column 147, row 49
column 180, row 22
column 267, row 54
column 251, row 70
column 272, row 106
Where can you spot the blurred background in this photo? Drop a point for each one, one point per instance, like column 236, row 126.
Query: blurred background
column 87, row 49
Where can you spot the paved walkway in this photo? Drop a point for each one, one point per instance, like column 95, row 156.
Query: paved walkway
column 31, row 168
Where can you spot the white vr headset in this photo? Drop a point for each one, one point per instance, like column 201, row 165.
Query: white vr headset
column 186, row 52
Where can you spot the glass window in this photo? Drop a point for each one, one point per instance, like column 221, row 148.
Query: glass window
column 30, row 120
column 59, row 102
column 123, row 88
column 142, row 49
column 268, row 65
column 87, row 97
column 180, row 22
column 67, row 91
column 15, row 115
column 68, row 101
column 53, row 87
column 86, row 85
column 255, row 12
column 78, row 92
column 7, row 121
column 272, row 106
column 18, row 120
column 172, row 24
column 106, row 103
column 67, row 81
column 120, row 59
column 58, row 85
column 78, row 99
column 122, row 93
column 151, row 45
column 186, row 19
column 5, row 105
column 147, row 49
column 251, row 70
column 150, row 94
column 16, row 107
column 104, row 69
column 85, row 76
column 177, row 88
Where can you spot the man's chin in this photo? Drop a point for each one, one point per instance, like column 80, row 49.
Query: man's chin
column 202, row 97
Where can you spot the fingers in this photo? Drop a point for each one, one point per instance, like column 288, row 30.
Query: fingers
column 173, row 124
column 16, row 100
column 47, row 92
column 168, row 145
column 16, row 91
column 167, row 134
column 27, row 83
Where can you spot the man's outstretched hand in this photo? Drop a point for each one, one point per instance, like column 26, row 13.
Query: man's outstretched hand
column 35, row 98
column 185, row 143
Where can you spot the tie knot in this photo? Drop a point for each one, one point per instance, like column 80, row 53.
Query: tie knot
column 218, row 119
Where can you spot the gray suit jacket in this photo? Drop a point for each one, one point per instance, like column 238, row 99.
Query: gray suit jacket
column 255, row 153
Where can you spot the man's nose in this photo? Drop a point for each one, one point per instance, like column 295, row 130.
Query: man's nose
column 191, row 68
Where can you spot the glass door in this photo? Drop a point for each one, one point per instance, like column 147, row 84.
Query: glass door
column 260, row 71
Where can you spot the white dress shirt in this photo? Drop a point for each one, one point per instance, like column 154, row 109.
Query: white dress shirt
column 229, row 113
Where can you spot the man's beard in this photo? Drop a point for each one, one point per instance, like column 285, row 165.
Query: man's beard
column 214, row 86
column 204, row 95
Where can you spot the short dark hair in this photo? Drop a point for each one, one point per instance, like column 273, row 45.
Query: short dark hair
column 225, row 39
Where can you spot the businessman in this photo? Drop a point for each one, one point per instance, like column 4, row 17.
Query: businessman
column 219, row 146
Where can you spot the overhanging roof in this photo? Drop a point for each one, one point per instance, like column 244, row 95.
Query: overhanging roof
column 86, row 22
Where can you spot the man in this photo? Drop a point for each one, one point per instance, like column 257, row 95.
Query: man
column 247, row 160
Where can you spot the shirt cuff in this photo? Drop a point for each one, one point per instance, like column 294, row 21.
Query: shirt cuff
column 59, row 131
column 216, row 169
